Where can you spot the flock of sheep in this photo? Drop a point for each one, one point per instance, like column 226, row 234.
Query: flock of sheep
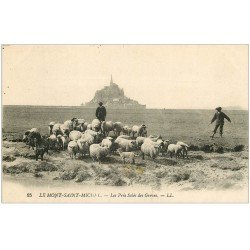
column 80, row 137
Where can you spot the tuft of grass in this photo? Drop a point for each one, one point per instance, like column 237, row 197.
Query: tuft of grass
column 238, row 148
column 9, row 158
column 38, row 175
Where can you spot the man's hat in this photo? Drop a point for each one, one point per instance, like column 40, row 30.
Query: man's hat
column 219, row 108
column 100, row 103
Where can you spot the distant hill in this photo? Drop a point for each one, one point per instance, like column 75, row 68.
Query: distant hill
column 113, row 97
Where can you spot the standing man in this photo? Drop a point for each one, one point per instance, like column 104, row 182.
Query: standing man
column 219, row 118
column 101, row 112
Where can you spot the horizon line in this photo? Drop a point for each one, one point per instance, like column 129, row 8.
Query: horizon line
column 33, row 105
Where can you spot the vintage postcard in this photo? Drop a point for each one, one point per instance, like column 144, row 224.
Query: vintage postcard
column 125, row 124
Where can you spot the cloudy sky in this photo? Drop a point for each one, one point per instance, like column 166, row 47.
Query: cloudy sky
column 160, row 76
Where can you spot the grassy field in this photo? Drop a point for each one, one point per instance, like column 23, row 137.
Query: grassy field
column 191, row 126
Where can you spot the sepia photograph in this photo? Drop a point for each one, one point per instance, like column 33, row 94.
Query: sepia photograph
column 125, row 123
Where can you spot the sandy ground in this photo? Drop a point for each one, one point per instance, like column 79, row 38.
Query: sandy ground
column 202, row 171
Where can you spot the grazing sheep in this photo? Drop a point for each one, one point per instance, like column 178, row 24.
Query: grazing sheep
column 124, row 155
column 90, row 139
column 174, row 149
column 124, row 137
column 56, row 130
column 63, row 141
column 71, row 123
column 65, row 129
column 139, row 130
column 107, row 142
column 98, row 152
column 83, row 146
column 185, row 148
column 106, row 127
column 51, row 125
column 118, row 128
column 139, row 141
column 96, row 125
column 89, row 127
column 75, row 135
column 73, row 149
column 127, row 145
column 126, row 130
column 150, row 149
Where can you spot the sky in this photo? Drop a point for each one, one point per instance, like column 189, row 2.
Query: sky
column 160, row 76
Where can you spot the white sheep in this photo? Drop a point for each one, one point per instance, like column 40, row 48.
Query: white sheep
column 75, row 135
column 150, row 149
column 124, row 137
column 107, row 142
column 127, row 145
column 107, row 127
column 83, row 146
column 98, row 152
column 139, row 141
column 96, row 125
column 65, row 129
column 174, row 149
column 125, row 155
column 139, row 130
column 89, row 126
column 73, row 149
column 56, row 129
column 90, row 139
column 118, row 128
column 185, row 148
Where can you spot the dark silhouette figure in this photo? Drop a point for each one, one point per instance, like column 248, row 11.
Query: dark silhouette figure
column 101, row 112
column 219, row 117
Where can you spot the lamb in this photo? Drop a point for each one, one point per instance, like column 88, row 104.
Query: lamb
column 126, row 130
column 98, row 152
column 96, row 125
column 185, row 148
column 106, row 127
column 75, row 135
column 139, row 130
column 63, row 141
column 174, row 149
column 118, row 128
column 83, row 146
column 73, row 149
column 124, row 155
column 127, row 145
column 150, row 149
